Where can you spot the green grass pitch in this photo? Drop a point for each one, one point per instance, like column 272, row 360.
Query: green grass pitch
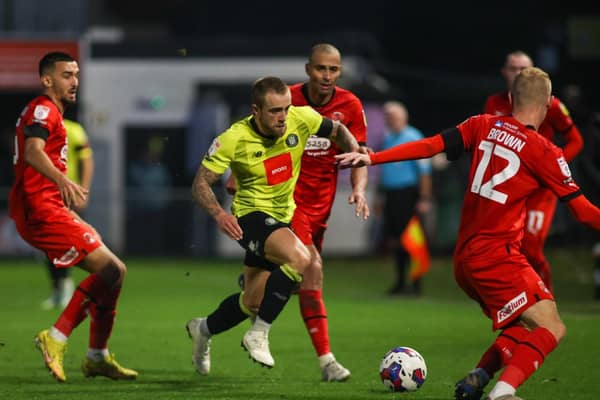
column 160, row 295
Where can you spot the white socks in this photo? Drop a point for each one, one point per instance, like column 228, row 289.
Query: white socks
column 97, row 354
column 58, row 335
column 501, row 389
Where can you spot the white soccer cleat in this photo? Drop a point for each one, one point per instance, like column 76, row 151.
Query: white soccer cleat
column 333, row 371
column 201, row 347
column 256, row 343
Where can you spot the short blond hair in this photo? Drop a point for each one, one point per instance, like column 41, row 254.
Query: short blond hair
column 531, row 87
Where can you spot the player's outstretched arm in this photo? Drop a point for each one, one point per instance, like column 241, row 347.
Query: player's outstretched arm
column 204, row 196
column 585, row 212
column 72, row 194
column 424, row 148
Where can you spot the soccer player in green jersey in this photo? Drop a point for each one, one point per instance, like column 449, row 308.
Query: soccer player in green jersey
column 263, row 151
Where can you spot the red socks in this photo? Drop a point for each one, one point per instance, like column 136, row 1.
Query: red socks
column 528, row 356
column 498, row 354
column 95, row 297
column 89, row 290
column 103, row 319
column 314, row 314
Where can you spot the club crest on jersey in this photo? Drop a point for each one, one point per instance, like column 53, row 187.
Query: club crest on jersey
column 337, row 116
column 292, row 140
column 40, row 112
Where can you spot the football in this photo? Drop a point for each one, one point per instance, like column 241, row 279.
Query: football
column 403, row 370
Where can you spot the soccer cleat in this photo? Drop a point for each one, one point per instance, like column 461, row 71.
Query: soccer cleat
column 471, row 386
column 108, row 367
column 201, row 346
column 256, row 343
column 53, row 352
column 333, row 371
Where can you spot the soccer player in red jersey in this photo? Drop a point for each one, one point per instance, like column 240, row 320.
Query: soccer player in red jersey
column 41, row 201
column 316, row 187
column 541, row 205
column 510, row 161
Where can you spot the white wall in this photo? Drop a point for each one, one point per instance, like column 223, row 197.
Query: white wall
column 110, row 94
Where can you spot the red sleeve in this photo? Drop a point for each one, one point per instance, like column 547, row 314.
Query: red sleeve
column 424, row 148
column 585, row 212
column 358, row 124
column 559, row 118
column 573, row 143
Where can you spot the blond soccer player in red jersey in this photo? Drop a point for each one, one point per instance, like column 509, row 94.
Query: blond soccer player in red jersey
column 510, row 161
column 42, row 198
column 541, row 205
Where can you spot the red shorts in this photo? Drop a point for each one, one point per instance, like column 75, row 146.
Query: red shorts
column 64, row 239
column 310, row 229
column 504, row 285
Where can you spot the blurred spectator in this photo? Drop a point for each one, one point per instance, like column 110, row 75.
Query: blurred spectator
column 407, row 193
column 149, row 182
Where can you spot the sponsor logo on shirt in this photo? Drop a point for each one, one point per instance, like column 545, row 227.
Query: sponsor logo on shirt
column 67, row 258
column 317, row 143
column 292, row 140
column 511, row 307
column 278, row 169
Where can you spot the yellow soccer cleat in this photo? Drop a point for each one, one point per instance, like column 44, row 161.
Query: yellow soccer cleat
column 53, row 352
column 108, row 367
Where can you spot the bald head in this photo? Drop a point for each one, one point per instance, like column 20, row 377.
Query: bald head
column 325, row 48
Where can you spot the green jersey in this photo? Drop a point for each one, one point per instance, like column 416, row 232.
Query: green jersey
column 265, row 169
column 78, row 149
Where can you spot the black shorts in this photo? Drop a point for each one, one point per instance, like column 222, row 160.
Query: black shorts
column 257, row 227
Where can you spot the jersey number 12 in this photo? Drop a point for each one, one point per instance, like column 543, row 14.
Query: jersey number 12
column 486, row 189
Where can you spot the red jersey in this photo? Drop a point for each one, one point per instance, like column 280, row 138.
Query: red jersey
column 316, row 186
column 32, row 194
column 557, row 119
column 509, row 162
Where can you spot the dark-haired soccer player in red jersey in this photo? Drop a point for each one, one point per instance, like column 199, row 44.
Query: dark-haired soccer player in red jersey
column 316, row 187
column 510, row 161
column 41, row 201
column 541, row 205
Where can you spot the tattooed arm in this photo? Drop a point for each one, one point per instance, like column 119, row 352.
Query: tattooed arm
column 204, row 196
column 342, row 137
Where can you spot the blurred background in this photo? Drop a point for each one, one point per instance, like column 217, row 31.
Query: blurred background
column 159, row 80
